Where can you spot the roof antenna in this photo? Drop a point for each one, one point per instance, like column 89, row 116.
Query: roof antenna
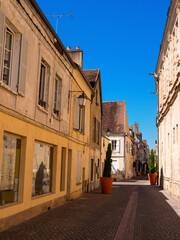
column 58, row 16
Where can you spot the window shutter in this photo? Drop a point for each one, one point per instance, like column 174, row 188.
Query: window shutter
column 46, row 88
column 23, row 65
column 84, row 120
column 2, row 25
column 97, row 131
column 59, row 96
column 76, row 113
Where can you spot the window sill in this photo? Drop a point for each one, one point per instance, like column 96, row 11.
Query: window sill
column 56, row 117
column 42, row 195
column 42, row 109
column 8, row 88
column 77, row 130
column 10, row 205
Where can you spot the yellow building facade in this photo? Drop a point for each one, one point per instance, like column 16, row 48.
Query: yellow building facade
column 44, row 130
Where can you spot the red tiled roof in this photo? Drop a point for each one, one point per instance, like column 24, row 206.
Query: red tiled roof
column 114, row 117
column 91, row 76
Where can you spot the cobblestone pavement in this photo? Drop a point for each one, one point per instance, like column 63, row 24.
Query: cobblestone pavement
column 96, row 216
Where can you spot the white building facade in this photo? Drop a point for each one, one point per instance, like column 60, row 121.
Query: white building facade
column 167, row 79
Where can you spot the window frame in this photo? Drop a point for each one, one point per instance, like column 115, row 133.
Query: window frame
column 51, row 165
column 117, row 143
column 41, row 102
column 19, row 185
column 9, row 30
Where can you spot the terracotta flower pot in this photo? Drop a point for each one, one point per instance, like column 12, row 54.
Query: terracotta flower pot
column 152, row 178
column 106, row 184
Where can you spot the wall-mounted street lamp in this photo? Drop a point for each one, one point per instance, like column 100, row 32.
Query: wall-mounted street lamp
column 108, row 132
column 82, row 98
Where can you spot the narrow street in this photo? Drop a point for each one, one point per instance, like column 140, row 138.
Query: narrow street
column 134, row 210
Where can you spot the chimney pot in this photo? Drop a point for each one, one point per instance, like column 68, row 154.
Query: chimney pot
column 77, row 47
column 68, row 48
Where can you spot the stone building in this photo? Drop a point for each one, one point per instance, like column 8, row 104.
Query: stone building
column 140, row 151
column 94, row 78
column 167, row 79
column 44, row 124
column 115, row 120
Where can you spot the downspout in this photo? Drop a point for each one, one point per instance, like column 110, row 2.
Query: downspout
column 125, row 154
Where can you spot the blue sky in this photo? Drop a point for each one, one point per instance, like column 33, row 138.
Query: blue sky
column 122, row 38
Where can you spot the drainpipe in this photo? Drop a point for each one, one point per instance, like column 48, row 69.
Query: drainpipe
column 125, row 153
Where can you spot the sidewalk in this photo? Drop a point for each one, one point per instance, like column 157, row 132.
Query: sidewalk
column 133, row 210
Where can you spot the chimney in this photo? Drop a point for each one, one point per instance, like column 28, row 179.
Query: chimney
column 136, row 127
column 131, row 127
column 76, row 55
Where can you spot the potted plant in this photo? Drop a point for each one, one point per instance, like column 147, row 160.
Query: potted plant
column 152, row 175
column 107, row 180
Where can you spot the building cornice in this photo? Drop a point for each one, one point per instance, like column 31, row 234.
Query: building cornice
column 174, row 9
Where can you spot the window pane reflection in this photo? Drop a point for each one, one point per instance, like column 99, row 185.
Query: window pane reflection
column 10, row 165
column 42, row 169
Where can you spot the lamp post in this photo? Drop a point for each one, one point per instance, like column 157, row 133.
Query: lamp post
column 82, row 98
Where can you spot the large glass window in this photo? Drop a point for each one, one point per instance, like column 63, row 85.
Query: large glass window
column 42, row 169
column 10, row 165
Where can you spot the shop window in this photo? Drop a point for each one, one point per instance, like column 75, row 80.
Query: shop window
column 10, row 166
column 42, row 169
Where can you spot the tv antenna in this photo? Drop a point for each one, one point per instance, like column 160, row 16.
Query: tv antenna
column 58, row 16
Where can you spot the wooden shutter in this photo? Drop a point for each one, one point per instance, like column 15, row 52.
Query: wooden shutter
column 46, row 87
column 97, row 131
column 84, row 130
column 2, row 26
column 78, row 180
column 23, row 65
column 58, row 107
column 76, row 113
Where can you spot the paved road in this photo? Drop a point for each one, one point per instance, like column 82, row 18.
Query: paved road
column 133, row 211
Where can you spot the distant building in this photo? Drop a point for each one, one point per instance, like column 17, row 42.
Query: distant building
column 167, row 79
column 140, row 151
column 94, row 78
column 116, row 121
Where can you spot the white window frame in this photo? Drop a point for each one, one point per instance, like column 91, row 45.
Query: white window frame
column 116, row 148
